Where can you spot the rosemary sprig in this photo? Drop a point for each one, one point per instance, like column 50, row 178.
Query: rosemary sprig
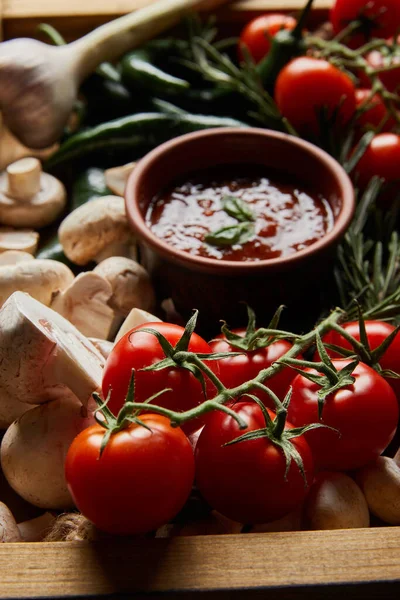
column 216, row 67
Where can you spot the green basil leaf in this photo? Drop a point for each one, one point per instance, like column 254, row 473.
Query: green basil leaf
column 228, row 236
column 237, row 208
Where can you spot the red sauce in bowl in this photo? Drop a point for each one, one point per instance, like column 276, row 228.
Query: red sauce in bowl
column 239, row 213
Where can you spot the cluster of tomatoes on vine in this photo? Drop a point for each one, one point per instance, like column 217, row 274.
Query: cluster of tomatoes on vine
column 354, row 78
column 251, row 450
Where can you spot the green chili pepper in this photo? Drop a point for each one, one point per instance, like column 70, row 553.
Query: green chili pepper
column 54, row 251
column 89, row 185
column 285, row 46
column 138, row 69
column 141, row 130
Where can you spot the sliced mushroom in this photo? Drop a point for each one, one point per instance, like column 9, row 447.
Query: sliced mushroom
column 42, row 355
column 117, row 177
column 40, row 278
column 103, row 346
column 97, row 230
column 25, row 240
column 29, row 197
column 13, row 257
column 135, row 318
column 85, row 304
column 9, row 531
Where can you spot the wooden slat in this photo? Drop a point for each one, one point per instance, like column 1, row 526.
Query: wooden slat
column 284, row 563
column 14, row 9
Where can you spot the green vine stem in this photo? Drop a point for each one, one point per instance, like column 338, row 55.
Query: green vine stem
column 226, row 395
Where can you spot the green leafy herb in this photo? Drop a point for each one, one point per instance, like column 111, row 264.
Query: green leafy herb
column 233, row 234
column 237, row 208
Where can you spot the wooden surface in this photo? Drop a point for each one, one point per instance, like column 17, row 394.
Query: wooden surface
column 279, row 566
column 74, row 18
column 37, row 8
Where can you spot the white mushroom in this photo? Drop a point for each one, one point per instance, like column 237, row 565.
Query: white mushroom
column 130, row 282
column 24, row 240
column 13, row 257
column 36, row 529
column 11, row 408
column 103, row 346
column 39, row 278
column 117, row 177
column 9, row 531
column 42, row 355
column 97, row 230
column 135, row 318
column 29, row 197
column 34, row 448
column 85, row 304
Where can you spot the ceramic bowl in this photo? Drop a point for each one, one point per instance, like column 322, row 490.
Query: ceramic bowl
column 216, row 287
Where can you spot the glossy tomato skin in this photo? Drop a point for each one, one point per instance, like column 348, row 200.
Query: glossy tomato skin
column 306, row 85
column 137, row 350
column 377, row 332
column 245, row 481
column 257, row 33
column 365, row 415
column 382, row 158
column 386, row 13
column 374, row 116
column 140, row 482
column 238, row 369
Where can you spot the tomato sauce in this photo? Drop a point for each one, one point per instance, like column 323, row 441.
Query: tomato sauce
column 286, row 217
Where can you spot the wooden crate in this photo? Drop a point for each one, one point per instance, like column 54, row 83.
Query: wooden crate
column 281, row 566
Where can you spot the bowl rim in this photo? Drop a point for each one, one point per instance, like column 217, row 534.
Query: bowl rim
column 149, row 161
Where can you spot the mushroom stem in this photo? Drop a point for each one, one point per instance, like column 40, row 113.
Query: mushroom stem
column 23, row 178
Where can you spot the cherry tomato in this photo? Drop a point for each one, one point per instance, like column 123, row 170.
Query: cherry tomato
column 384, row 13
column 382, row 158
column 137, row 350
column 238, row 369
column 364, row 414
column 141, row 480
column 374, row 116
column 246, row 481
column 257, row 34
column 377, row 332
column 306, row 85
column 378, row 60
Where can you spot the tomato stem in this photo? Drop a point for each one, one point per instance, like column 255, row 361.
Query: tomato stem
column 226, row 395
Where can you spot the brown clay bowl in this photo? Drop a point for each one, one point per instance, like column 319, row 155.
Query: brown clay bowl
column 216, row 287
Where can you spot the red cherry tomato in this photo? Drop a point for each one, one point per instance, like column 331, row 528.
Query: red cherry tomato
column 377, row 332
column 306, row 85
column 137, row 350
column 238, row 369
column 257, row 34
column 364, row 414
column 141, row 480
column 385, row 15
column 378, row 60
column 246, row 481
column 374, row 116
column 382, row 158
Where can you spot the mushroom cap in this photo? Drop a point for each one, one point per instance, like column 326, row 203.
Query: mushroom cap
column 25, row 240
column 39, row 278
column 9, row 531
column 89, row 229
column 40, row 210
column 130, row 283
column 12, row 257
